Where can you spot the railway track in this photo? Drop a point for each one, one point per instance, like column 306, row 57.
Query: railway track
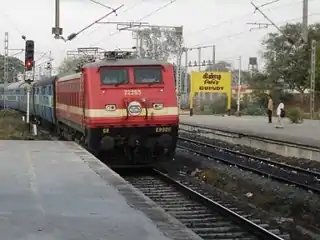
column 293, row 175
column 206, row 215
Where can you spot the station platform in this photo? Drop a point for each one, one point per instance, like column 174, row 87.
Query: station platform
column 57, row 190
column 306, row 133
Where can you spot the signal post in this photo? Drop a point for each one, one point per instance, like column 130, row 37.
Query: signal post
column 29, row 64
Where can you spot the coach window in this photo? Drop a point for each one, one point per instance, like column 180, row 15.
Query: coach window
column 114, row 76
column 148, row 75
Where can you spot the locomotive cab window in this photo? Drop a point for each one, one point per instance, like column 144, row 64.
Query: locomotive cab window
column 148, row 75
column 114, row 76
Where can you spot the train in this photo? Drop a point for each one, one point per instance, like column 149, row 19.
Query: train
column 118, row 106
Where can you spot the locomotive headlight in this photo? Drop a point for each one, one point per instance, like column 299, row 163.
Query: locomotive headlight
column 157, row 106
column 110, row 107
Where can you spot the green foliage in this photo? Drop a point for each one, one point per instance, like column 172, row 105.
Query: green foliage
column 9, row 113
column 11, row 126
column 287, row 66
column 158, row 43
column 254, row 110
column 15, row 66
column 295, row 115
column 70, row 65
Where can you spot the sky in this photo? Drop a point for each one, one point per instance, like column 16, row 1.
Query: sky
column 223, row 23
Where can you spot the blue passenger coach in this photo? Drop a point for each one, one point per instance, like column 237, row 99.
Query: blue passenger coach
column 2, row 95
column 43, row 100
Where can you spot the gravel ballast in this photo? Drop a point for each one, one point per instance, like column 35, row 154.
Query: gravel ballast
column 283, row 202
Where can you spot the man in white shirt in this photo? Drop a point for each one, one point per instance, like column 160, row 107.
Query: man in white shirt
column 280, row 113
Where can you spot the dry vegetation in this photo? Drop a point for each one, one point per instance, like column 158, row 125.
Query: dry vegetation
column 11, row 126
column 260, row 197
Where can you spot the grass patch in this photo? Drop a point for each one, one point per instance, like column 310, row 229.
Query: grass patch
column 11, row 126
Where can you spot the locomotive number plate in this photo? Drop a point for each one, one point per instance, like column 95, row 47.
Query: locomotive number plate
column 163, row 129
column 132, row 92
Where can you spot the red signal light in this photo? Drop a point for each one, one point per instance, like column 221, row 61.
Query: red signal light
column 28, row 64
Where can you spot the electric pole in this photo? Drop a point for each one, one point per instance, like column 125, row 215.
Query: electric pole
column 177, row 30
column 131, row 26
column 305, row 21
column 6, row 58
column 179, row 34
column 239, row 85
column 312, row 78
column 305, row 36
column 57, row 30
column 200, row 63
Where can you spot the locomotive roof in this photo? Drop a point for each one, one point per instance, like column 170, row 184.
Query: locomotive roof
column 126, row 62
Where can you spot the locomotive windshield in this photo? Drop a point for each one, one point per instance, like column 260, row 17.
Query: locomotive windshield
column 113, row 76
column 148, row 75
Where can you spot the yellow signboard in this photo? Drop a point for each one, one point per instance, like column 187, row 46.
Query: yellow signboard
column 211, row 82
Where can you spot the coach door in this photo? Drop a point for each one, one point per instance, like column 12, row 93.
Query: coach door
column 82, row 99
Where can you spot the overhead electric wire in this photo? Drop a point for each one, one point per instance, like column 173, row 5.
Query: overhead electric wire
column 120, row 12
column 196, row 32
column 101, row 4
column 144, row 17
column 248, row 31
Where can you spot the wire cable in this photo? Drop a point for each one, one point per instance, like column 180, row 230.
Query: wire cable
column 144, row 17
column 124, row 11
column 245, row 32
column 196, row 32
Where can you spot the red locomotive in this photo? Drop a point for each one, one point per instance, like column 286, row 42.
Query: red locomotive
column 121, row 105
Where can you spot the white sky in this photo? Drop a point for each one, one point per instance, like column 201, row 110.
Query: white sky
column 219, row 22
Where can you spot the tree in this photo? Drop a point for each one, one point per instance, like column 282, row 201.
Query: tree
column 158, row 43
column 287, row 66
column 221, row 66
column 15, row 67
column 70, row 64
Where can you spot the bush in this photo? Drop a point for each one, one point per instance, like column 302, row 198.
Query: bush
column 9, row 113
column 11, row 126
column 253, row 110
column 295, row 115
column 202, row 107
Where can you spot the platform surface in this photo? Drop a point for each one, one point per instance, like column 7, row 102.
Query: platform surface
column 306, row 133
column 58, row 191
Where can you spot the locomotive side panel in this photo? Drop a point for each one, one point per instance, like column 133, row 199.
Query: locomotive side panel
column 68, row 109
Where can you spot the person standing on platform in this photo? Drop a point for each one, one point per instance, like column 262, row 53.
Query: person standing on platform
column 280, row 114
column 270, row 108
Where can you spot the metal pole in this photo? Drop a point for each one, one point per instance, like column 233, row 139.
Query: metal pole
column 6, row 58
column 239, row 86
column 137, row 43
column 50, row 69
column 305, row 21
column 57, row 18
column 312, row 78
column 34, row 71
column 213, row 56
column 141, row 45
column 179, row 34
column 199, row 69
column 184, row 86
column 213, row 65
column 199, row 59
column 28, row 103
